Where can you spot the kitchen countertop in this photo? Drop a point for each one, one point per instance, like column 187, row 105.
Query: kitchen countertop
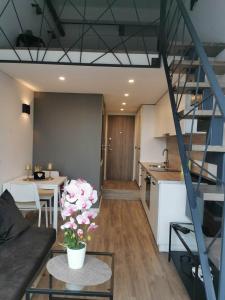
column 165, row 176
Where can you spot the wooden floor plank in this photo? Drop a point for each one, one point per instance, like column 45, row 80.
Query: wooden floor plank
column 120, row 185
column 141, row 273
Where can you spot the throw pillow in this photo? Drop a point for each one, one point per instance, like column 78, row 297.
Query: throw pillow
column 12, row 222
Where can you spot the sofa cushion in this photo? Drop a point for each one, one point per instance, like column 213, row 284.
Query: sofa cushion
column 12, row 222
column 21, row 258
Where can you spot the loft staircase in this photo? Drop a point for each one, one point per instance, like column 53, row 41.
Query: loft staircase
column 197, row 96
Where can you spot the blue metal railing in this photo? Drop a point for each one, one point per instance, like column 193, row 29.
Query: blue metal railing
column 185, row 60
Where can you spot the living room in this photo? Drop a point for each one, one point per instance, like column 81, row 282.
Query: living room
column 119, row 198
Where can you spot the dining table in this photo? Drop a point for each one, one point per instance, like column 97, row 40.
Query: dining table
column 54, row 184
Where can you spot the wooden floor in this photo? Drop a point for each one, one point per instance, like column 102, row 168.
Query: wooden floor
column 120, row 185
column 141, row 273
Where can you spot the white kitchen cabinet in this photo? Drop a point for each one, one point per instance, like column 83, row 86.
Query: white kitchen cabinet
column 165, row 123
column 171, row 208
column 167, row 204
column 147, row 147
column 153, row 211
column 143, row 184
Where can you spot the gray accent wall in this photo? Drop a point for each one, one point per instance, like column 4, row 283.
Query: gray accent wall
column 67, row 132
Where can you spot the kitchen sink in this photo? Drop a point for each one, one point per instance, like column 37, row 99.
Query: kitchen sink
column 161, row 168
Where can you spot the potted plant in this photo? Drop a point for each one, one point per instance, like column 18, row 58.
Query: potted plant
column 76, row 202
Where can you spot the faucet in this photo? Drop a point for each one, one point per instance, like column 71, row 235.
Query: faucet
column 166, row 162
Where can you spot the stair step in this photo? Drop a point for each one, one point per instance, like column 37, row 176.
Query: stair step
column 198, row 114
column 211, row 148
column 211, row 49
column 211, row 192
column 177, row 66
column 191, row 87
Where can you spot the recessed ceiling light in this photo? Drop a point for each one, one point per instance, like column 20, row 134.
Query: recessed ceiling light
column 62, row 78
column 122, row 109
column 126, row 95
column 124, row 103
column 131, row 80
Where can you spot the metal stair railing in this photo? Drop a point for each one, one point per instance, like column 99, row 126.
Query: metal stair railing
column 185, row 60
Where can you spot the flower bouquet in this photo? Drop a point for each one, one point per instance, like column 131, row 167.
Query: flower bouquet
column 76, row 202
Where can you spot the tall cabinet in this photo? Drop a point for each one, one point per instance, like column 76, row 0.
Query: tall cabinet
column 147, row 147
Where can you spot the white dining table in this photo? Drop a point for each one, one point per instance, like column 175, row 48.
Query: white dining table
column 49, row 184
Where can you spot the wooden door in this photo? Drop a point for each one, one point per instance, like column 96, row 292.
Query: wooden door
column 120, row 147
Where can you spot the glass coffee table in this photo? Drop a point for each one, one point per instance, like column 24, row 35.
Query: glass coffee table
column 56, row 281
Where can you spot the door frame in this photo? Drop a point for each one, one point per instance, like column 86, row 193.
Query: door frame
column 106, row 141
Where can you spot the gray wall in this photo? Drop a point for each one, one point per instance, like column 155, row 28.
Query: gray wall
column 67, row 132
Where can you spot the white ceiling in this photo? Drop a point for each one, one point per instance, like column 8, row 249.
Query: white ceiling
column 112, row 82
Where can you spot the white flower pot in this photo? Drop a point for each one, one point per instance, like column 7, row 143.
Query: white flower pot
column 76, row 257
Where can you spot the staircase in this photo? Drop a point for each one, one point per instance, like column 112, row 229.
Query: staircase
column 197, row 95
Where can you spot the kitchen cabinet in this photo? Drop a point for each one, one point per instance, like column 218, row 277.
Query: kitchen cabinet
column 167, row 204
column 165, row 123
column 171, row 208
column 153, row 211
column 143, row 184
column 147, row 147
column 137, row 148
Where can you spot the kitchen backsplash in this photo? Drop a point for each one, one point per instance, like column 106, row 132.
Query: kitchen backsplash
column 174, row 158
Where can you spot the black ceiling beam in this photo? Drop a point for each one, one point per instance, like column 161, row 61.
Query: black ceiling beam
column 55, row 17
column 102, row 23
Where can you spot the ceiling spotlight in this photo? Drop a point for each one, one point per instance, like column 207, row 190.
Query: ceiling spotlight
column 122, row 109
column 62, row 78
column 131, row 80
column 124, row 103
column 126, row 95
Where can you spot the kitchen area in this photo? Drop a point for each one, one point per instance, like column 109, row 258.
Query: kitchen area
column 157, row 168
column 163, row 196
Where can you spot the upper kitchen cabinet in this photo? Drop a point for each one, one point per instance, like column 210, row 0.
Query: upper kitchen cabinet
column 147, row 147
column 164, row 117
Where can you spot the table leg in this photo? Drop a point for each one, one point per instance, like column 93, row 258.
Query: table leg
column 55, row 209
column 170, row 236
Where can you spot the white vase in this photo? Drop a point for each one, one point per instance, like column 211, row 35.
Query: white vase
column 76, row 257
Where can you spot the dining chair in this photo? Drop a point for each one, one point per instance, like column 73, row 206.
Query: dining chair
column 47, row 195
column 27, row 199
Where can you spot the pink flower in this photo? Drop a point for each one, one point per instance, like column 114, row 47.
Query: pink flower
column 83, row 204
column 93, row 197
column 69, row 210
column 82, row 220
column 71, row 224
column 76, row 201
column 80, row 233
column 92, row 227
column 90, row 214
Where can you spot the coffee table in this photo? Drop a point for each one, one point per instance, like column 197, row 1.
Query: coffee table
column 55, row 288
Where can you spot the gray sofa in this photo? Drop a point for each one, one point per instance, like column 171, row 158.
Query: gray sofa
column 23, row 249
